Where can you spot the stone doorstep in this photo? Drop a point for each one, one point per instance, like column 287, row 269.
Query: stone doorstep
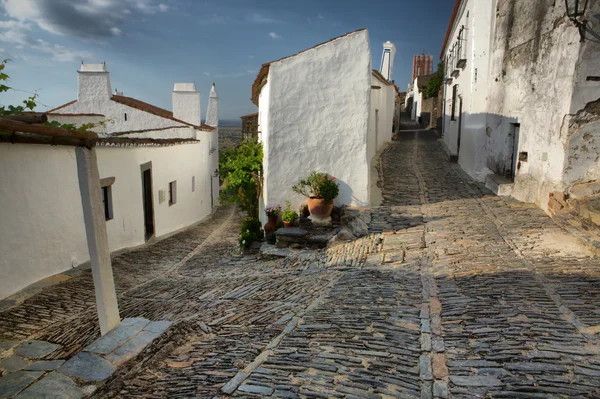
column 499, row 185
column 98, row 360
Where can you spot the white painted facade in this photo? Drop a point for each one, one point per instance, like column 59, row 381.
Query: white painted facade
column 43, row 230
column 466, row 57
column 528, row 106
column 381, row 114
column 315, row 114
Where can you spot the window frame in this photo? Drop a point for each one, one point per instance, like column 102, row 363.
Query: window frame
column 454, row 98
column 107, row 202
column 172, row 193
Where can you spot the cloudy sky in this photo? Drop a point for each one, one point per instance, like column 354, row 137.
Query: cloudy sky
column 150, row 44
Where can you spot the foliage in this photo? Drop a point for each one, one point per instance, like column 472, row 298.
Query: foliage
column 250, row 231
column 30, row 103
column 289, row 215
column 273, row 210
column 241, row 167
column 69, row 126
column 318, row 185
column 435, row 83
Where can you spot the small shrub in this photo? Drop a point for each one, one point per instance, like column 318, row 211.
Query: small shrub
column 318, row 185
column 289, row 215
column 250, row 231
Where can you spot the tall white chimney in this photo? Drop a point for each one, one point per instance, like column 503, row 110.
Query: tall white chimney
column 212, row 113
column 93, row 85
column 387, row 60
column 186, row 103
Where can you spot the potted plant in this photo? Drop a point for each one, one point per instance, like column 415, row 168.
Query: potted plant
column 273, row 213
column 289, row 216
column 321, row 189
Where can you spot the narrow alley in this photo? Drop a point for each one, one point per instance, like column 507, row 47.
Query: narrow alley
column 456, row 293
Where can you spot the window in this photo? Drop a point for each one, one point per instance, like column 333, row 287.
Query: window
column 107, row 202
column 193, row 183
column 454, row 94
column 125, row 116
column 173, row 193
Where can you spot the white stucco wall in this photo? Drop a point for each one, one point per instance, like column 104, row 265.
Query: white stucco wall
column 186, row 103
column 42, row 221
column 478, row 19
column 381, row 122
column 78, row 121
column 538, row 78
column 317, row 120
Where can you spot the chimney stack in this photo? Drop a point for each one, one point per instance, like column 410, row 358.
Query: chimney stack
column 93, row 84
column 186, row 103
column 212, row 113
column 387, row 60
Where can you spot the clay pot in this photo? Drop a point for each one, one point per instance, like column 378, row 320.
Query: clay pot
column 271, row 225
column 320, row 208
column 288, row 224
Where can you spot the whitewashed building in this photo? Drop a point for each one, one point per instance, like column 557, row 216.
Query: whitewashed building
column 157, row 171
column 521, row 95
column 324, row 109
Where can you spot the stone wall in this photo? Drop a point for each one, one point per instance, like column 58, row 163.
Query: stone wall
column 540, row 93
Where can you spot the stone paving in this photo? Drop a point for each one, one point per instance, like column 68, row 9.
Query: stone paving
column 456, row 293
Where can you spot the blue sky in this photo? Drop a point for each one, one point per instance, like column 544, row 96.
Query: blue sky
column 150, row 44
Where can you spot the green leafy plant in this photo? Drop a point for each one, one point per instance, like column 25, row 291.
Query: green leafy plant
column 318, row 185
column 250, row 231
column 289, row 215
column 435, row 83
column 30, row 103
column 241, row 167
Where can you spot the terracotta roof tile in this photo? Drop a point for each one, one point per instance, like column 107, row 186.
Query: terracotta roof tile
column 137, row 104
column 63, row 106
column 264, row 70
column 151, row 109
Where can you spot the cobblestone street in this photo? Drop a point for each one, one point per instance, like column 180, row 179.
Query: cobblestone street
column 455, row 293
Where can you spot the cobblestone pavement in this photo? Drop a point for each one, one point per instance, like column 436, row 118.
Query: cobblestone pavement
column 455, row 293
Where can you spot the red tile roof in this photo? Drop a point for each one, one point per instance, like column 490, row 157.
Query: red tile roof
column 151, row 109
column 142, row 106
column 264, row 70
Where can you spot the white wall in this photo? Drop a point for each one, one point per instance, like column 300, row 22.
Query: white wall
column 317, row 120
column 380, row 132
column 42, row 222
column 472, row 87
column 538, row 78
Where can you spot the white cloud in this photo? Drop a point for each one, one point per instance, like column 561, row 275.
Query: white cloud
column 274, row 35
column 251, row 57
column 116, row 31
column 61, row 53
column 320, row 16
column 81, row 18
column 257, row 18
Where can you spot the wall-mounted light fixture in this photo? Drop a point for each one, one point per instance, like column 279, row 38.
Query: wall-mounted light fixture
column 575, row 12
column 216, row 173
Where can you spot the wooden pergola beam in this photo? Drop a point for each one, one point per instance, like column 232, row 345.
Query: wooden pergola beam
column 37, row 139
column 7, row 125
column 28, row 118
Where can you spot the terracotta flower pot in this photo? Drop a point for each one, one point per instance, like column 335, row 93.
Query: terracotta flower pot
column 288, row 224
column 320, row 208
column 271, row 225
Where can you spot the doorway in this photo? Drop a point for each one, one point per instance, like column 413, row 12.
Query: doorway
column 147, row 200
column 510, row 168
column 460, row 106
